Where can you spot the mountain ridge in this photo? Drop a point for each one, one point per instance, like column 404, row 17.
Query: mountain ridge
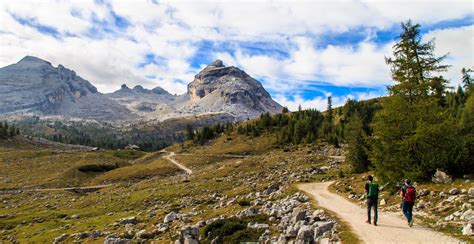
column 34, row 86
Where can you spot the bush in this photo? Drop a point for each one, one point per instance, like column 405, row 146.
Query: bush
column 234, row 230
column 244, row 202
column 97, row 167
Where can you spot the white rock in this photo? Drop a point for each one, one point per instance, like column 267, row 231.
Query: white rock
column 170, row 217
column 468, row 230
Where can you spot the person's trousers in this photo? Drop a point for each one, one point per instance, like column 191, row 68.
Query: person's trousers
column 407, row 209
column 372, row 203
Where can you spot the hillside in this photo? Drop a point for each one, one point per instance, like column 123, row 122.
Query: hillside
column 229, row 176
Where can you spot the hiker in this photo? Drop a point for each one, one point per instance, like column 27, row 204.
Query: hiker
column 372, row 190
column 408, row 194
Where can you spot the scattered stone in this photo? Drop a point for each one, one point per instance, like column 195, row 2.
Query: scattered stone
column 143, row 234
column 420, row 204
column 441, row 177
column 258, row 226
column 470, row 193
column 248, row 212
column 305, row 234
column 188, row 235
column 115, row 240
column 454, row 191
column 468, row 230
column 298, row 214
column 75, row 216
column 468, row 215
column 129, row 220
column 170, row 217
column 383, row 202
column 61, row 238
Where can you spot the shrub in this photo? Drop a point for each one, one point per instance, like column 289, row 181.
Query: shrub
column 97, row 167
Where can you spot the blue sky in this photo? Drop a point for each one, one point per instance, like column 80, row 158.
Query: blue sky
column 301, row 52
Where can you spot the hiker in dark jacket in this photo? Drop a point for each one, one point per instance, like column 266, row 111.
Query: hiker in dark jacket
column 372, row 190
column 408, row 194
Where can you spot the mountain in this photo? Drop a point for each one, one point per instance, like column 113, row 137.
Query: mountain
column 34, row 86
column 215, row 90
column 228, row 89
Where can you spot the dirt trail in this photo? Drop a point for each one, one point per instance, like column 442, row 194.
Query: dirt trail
column 392, row 228
column 170, row 158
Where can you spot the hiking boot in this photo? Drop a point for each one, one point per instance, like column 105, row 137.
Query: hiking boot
column 410, row 223
column 375, row 224
column 368, row 222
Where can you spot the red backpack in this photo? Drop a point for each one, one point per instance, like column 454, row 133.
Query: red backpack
column 410, row 194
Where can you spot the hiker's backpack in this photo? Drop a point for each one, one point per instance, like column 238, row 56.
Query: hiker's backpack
column 373, row 190
column 410, row 194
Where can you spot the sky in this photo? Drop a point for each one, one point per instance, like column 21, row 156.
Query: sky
column 301, row 51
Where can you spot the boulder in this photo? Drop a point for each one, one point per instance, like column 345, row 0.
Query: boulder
column 272, row 188
column 170, row 217
column 305, row 234
column 129, row 220
column 454, row 191
column 322, row 227
column 113, row 240
column 420, row 204
column 143, row 234
column 441, row 177
column 470, row 193
column 383, row 202
column 258, row 226
column 75, row 216
column 248, row 212
column 188, row 235
column 298, row 214
column 61, row 238
column 468, row 215
column 468, row 230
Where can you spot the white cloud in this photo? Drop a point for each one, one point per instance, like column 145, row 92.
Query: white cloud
column 458, row 43
column 173, row 32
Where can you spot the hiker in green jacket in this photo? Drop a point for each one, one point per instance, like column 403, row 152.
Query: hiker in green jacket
column 372, row 190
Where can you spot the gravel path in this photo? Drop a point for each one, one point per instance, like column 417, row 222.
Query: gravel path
column 170, row 158
column 392, row 228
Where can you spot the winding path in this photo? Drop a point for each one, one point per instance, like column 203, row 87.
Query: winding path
column 170, row 158
column 392, row 228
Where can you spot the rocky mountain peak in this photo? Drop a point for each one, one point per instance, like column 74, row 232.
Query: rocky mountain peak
column 216, row 64
column 139, row 89
column 124, row 87
column 33, row 60
column 218, row 86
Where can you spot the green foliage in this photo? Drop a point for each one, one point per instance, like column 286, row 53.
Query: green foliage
column 234, row 230
column 97, row 167
column 414, row 134
column 8, row 131
column 357, row 144
column 244, row 202
column 189, row 132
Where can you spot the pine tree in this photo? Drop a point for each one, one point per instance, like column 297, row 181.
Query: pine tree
column 412, row 135
column 466, row 78
column 189, row 132
column 357, row 144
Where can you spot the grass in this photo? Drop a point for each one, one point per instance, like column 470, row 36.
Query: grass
column 142, row 182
